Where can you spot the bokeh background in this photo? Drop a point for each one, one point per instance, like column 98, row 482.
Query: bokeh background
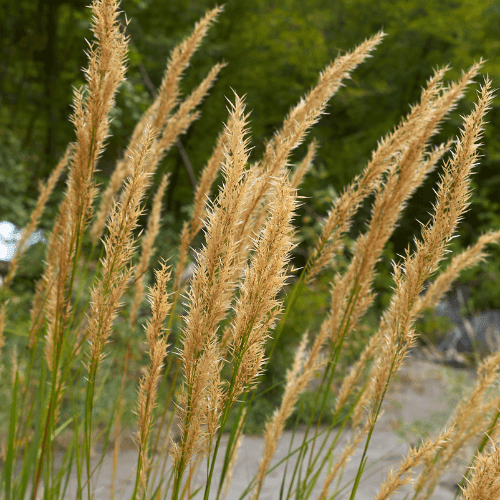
column 274, row 51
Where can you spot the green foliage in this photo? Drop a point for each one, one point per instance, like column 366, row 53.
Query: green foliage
column 432, row 329
column 263, row 42
column 14, row 179
column 282, row 42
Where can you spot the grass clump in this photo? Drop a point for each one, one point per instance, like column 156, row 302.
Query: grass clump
column 207, row 353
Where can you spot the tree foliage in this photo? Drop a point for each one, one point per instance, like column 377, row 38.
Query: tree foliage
column 274, row 50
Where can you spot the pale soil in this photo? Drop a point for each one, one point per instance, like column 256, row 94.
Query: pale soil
column 419, row 402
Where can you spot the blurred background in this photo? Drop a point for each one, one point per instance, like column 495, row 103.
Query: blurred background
column 274, row 50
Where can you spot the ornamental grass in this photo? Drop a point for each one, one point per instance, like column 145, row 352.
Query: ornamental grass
column 209, row 339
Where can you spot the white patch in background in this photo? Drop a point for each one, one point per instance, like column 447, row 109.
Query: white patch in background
column 9, row 237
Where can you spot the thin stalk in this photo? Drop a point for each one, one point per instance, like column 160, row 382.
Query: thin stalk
column 331, row 447
column 117, row 424
column 163, row 457
column 80, row 288
column 89, row 403
column 227, row 407
column 169, row 396
column 9, row 459
column 93, row 371
column 282, row 322
column 334, row 442
column 364, row 457
column 22, row 428
column 87, row 266
column 303, row 447
column 274, row 467
column 299, row 478
column 80, row 226
column 283, row 480
column 217, row 444
column 174, row 305
column 58, row 341
column 68, row 474
column 233, row 438
column 49, row 422
column 79, row 465
column 278, row 331
column 65, row 469
column 37, row 317
column 329, row 372
column 338, row 347
column 166, row 371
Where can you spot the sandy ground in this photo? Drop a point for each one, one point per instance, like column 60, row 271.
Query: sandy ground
column 419, row 402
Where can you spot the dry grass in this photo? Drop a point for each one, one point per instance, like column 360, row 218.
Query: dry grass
column 233, row 301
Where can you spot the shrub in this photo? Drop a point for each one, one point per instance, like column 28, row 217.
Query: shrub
column 221, row 336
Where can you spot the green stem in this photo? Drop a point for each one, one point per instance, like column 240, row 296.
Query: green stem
column 233, row 438
column 336, row 355
column 329, row 373
column 364, row 457
column 334, row 443
column 281, row 325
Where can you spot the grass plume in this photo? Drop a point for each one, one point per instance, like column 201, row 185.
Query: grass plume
column 207, row 356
